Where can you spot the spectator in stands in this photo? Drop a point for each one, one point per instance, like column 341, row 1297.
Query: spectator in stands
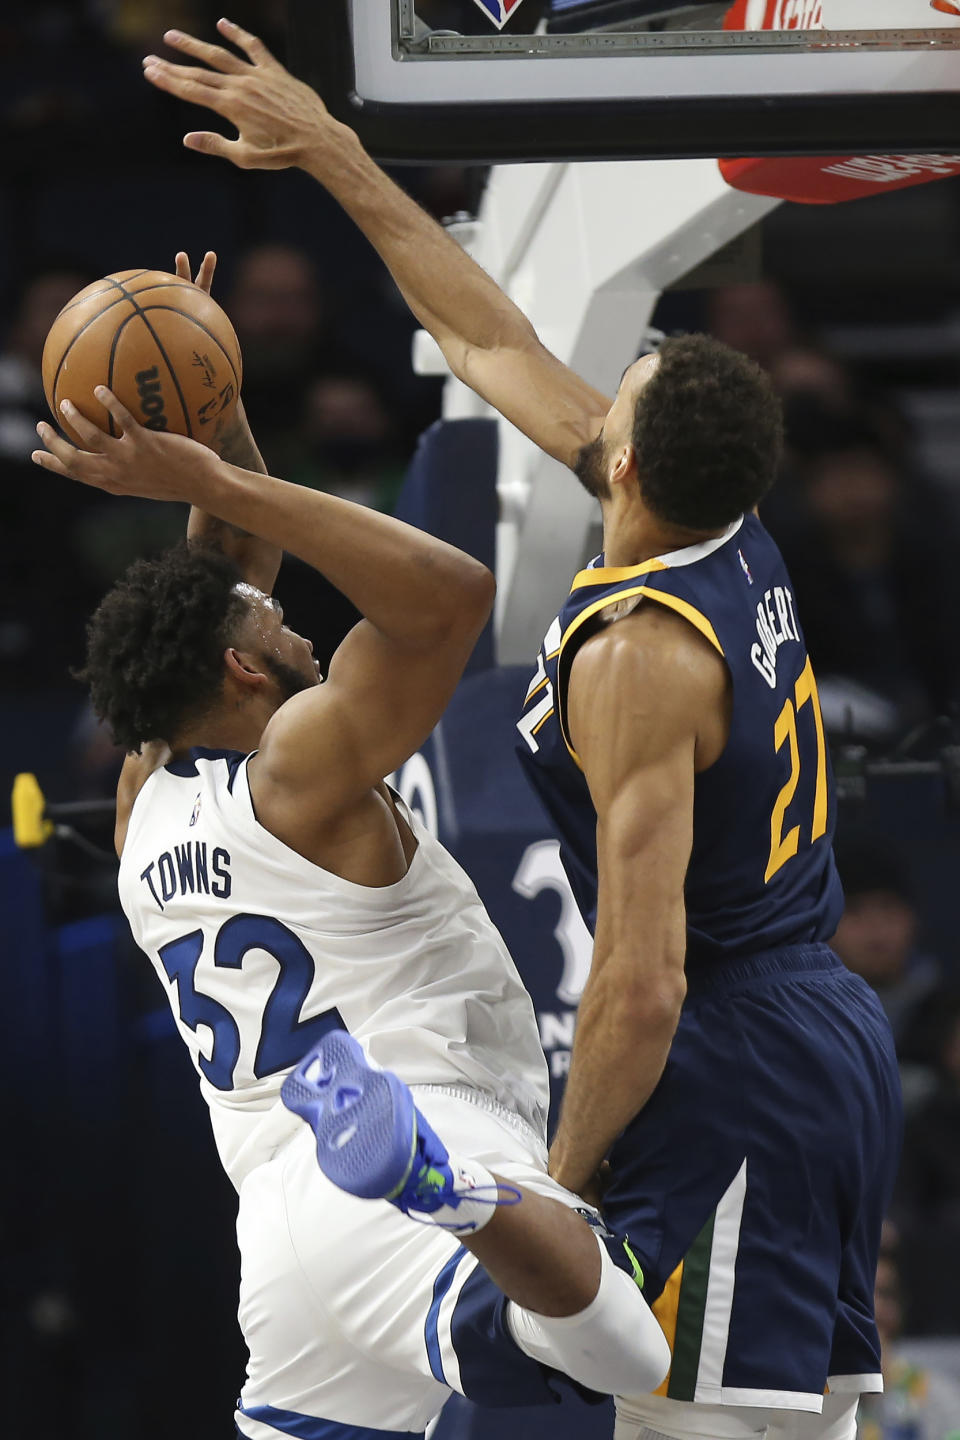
column 930, row 1190
column 878, row 935
column 278, row 310
column 40, row 300
column 346, row 442
column 753, row 317
column 872, row 557
column 919, row 1402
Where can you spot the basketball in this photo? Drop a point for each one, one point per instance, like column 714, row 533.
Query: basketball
column 162, row 345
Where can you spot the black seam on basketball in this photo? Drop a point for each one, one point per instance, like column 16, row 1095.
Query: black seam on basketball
column 113, row 353
column 166, row 285
column 107, row 280
column 72, row 304
column 200, row 326
column 84, row 326
column 166, row 359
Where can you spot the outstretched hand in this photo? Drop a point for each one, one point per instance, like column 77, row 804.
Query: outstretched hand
column 150, row 464
column 279, row 119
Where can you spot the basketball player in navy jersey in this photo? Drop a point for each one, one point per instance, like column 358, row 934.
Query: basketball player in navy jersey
column 741, row 1083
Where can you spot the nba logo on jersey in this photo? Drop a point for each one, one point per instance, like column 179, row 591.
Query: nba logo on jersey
column 745, row 567
column 196, row 812
column 499, row 11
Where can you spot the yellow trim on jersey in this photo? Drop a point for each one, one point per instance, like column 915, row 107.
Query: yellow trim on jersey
column 665, row 1310
column 536, row 689
column 673, row 602
column 540, row 723
column 540, row 683
column 688, row 611
column 613, row 574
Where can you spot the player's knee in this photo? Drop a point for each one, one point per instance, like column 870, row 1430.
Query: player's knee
column 614, row 1345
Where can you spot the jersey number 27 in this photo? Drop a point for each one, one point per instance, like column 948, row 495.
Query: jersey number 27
column 784, row 847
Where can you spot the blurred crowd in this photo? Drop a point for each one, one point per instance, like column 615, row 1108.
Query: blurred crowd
column 870, row 542
column 869, row 531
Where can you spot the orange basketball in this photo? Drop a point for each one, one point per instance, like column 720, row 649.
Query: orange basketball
column 166, row 350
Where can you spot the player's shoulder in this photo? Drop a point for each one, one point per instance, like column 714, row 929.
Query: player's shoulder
column 299, row 777
column 645, row 686
column 315, row 719
column 652, row 646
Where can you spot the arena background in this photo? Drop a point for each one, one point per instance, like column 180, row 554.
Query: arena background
column 118, row 1290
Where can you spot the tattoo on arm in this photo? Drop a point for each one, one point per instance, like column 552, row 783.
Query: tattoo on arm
column 238, row 447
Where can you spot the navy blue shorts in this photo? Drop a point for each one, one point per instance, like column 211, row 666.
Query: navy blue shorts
column 753, row 1184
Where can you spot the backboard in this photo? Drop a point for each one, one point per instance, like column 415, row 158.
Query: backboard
column 488, row 81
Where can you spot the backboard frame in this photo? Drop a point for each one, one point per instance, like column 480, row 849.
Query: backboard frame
column 503, row 131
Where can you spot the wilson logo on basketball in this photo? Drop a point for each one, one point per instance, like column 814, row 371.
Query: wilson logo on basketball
column 151, row 398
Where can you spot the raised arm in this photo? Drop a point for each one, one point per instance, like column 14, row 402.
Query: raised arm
column 638, row 694
column 487, row 342
column 425, row 603
column 257, row 560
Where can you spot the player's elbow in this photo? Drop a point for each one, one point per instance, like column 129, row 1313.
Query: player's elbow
column 472, row 362
column 483, row 589
column 469, row 599
column 456, row 606
column 651, row 1002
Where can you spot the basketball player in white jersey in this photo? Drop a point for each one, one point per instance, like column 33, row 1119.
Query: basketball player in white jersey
column 281, row 890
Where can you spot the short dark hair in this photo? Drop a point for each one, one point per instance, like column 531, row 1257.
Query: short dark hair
column 707, row 432
column 155, row 643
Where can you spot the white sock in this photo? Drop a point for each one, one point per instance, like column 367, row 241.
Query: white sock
column 612, row 1346
column 468, row 1216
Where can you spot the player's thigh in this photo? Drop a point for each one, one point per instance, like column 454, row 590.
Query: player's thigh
column 332, row 1307
column 371, row 1269
column 762, row 1099
column 408, row 1294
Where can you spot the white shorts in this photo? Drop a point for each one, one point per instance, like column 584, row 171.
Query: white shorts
column 653, row 1416
column 355, row 1314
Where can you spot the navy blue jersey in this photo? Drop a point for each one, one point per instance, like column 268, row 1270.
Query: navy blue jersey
column 761, row 872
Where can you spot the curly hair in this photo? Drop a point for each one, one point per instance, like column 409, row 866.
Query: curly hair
column 708, row 434
column 155, row 643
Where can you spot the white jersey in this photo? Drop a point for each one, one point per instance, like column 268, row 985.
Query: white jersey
column 260, row 952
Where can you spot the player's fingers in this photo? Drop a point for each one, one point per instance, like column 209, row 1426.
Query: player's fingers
column 46, row 461
column 155, row 69
column 209, row 143
column 205, row 274
column 183, row 265
column 214, row 55
column 121, row 416
column 252, row 44
column 91, row 435
column 57, row 446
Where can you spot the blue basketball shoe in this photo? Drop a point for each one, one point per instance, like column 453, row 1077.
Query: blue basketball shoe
column 372, row 1140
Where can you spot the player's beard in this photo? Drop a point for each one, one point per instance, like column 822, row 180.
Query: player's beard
column 288, row 678
column 590, row 468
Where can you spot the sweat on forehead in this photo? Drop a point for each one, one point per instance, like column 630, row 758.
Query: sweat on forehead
column 250, row 592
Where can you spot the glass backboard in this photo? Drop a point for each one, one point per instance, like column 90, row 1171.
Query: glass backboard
column 488, row 81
